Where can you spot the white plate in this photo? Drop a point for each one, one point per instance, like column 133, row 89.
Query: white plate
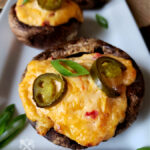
column 122, row 32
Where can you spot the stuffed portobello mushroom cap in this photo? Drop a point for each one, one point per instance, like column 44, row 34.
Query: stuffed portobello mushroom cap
column 45, row 36
column 76, row 48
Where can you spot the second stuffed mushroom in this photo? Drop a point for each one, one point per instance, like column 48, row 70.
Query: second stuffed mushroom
column 42, row 25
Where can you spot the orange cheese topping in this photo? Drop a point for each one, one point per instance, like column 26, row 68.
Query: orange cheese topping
column 32, row 14
column 85, row 114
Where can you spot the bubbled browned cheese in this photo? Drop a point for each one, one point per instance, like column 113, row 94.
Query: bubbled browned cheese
column 32, row 14
column 85, row 114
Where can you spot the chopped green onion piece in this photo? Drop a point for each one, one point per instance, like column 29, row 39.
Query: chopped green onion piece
column 2, row 128
column 12, row 130
column 7, row 114
column 77, row 68
column 144, row 148
column 102, row 21
column 24, row 2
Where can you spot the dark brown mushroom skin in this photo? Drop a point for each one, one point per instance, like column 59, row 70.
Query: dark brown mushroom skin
column 76, row 48
column 45, row 36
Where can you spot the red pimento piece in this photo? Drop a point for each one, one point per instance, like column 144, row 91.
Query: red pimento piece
column 21, row 5
column 97, row 55
column 51, row 58
column 89, row 145
column 45, row 23
column 93, row 114
column 82, row 83
column 52, row 14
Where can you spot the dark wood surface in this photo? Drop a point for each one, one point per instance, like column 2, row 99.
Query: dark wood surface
column 141, row 12
column 146, row 35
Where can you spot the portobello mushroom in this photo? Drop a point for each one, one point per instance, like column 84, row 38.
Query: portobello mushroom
column 45, row 36
column 76, row 48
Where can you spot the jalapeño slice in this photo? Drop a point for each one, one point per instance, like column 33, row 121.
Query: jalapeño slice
column 45, row 91
column 103, row 71
column 50, row 4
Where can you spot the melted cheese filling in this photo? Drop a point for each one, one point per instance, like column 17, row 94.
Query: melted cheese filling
column 85, row 114
column 32, row 14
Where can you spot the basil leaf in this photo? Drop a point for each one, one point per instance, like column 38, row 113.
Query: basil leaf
column 102, row 21
column 24, row 2
column 80, row 70
column 144, row 148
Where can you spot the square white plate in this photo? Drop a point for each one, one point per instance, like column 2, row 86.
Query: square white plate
column 122, row 32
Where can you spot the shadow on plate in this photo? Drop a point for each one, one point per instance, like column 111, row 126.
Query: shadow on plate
column 8, row 73
column 90, row 28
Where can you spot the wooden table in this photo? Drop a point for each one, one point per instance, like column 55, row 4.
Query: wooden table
column 141, row 12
